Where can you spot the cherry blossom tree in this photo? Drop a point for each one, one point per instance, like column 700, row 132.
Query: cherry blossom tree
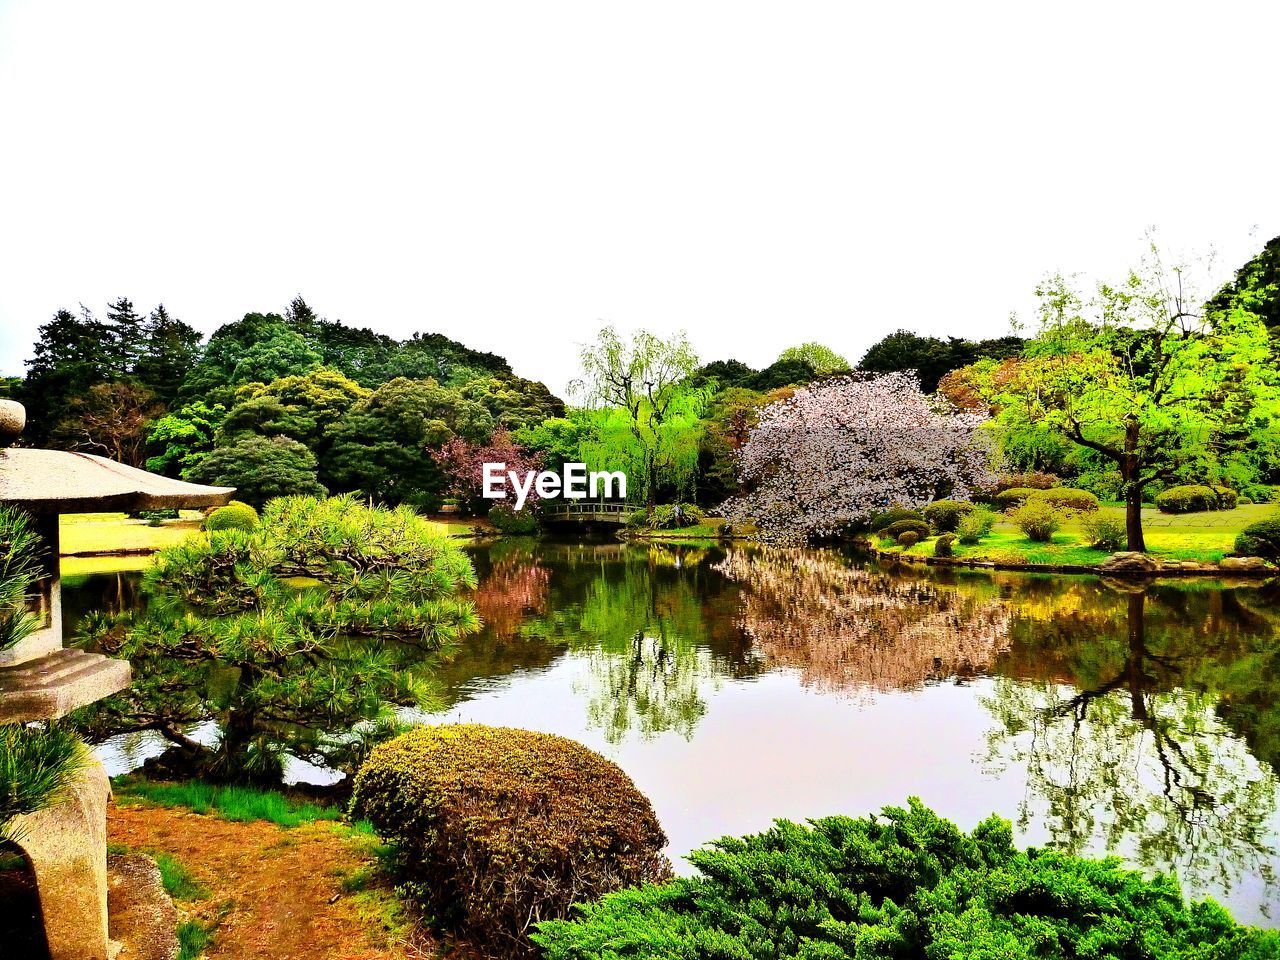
column 463, row 463
column 837, row 452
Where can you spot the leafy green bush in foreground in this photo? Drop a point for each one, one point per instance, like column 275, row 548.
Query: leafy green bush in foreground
column 904, row 884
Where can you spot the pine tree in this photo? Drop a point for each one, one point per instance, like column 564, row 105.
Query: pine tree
column 127, row 337
column 71, row 354
column 171, row 349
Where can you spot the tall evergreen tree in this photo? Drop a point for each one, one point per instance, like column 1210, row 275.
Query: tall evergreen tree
column 127, row 337
column 71, row 354
column 171, row 349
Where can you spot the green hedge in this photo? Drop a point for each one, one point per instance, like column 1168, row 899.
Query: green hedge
column 904, row 885
column 1013, row 497
column 496, row 828
column 945, row 515
column 1067, row 498
column 896, row 529
column 234, row 516
column 1260, row 539
column 893, row 515
column 513, row 522
column 1195, row 498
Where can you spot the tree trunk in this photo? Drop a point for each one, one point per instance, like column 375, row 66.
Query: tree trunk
column 1130, row 467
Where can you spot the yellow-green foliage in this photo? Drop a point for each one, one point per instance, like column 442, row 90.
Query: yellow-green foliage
column 234, row 516
column 1067, row 498
column 498, row 829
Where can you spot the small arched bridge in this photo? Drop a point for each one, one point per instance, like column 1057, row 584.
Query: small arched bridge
column 587, row 511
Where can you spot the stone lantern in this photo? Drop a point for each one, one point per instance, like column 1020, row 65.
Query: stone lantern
column 40, row 679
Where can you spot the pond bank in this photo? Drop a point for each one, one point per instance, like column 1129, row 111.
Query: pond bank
column 1117, row 564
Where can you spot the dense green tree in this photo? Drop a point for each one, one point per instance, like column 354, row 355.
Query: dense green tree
column 260, row 468
column 514, row 402
column 183, row 437
column 303, row 407
column 558, row 440
column 932, row 358
column 128, row 341
column 1255, row 287
column 258, row 348
column 725, row 373
column 782, row 373
column 646, row 383
column 170, row 348
column 225, row 637
column 728, row 422
column 71, row 354
column 822, row 359
column 1143, row 377
column 382, row 447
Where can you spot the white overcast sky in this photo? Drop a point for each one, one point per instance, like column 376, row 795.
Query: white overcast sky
column 512, row 174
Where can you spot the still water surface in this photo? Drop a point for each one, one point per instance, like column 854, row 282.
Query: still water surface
column 740, row 685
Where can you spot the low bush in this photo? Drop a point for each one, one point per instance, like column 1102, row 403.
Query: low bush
column 1032, row 480
column 904, row 884
column 1012, row 497
column 234, row 516
column 497, row 829
column 1228, row 499
column 908, row 540
column 893, row 515
column 1260, row 539
column 1038, row 520
column 945, row 545
column 674, row 516
column 1190, row 498
column 896, row 529
column 638, row 518
column 1104, row 531
column 945, row 515
column 513, row 522
column 1067, row 498
column 976, row 525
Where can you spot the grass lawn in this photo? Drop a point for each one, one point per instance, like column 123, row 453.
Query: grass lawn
column 1206, row 537
column 239, row 804
column 706, row 530
column 89, row 533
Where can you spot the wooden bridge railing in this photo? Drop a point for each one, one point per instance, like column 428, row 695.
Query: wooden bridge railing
column 588, row 510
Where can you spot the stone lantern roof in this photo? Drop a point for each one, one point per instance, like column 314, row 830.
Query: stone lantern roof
column 56, row 481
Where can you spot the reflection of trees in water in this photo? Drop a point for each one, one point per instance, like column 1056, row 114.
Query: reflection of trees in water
column 1137, row 754
column 514, row 588
column 846, row 627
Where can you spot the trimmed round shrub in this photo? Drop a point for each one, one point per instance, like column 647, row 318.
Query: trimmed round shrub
column 975, row 525
column 1190, row 498
column 908, row 540
column 1038, row 520
column 896, row 529
column 234, row 516
column 1067, row 498
column 901, row 884
column 1032, row 479
column 945, row 515
column 497, row 829
column 638, row 518
column 516, row 523
column 1260, row 539
column 1104, row 531
column 945, row 545
column 1012, row 497
column 893, row 515
column 665, row 516
column 1228, row 499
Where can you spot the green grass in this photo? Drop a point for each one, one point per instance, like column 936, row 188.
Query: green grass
column 194, row 938
column 89, row 533
column 1204, row 537
column 179, row 882
column 240, row 804
column 706, row 530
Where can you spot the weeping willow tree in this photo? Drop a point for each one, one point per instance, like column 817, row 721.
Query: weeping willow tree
column 299, row 637
column 647, row 419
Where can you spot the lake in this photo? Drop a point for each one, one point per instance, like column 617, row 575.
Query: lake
column 740, row 684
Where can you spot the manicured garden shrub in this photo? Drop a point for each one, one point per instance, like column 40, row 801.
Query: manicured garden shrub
column 638, row 518
column 893, row 515
column 896, row 529
column 666, row 517
column 976, row 525
column 902, row 885
column 234, row 516
column 1012, row 497
column 1034, row 480
column 1067, row 498
column 945, row 515
column 513, row 522
column 1260, row 539
column 497, row 829
column 1190, row 498
column 1038, row 520
column 944, row 546
column 1105, row 531
column 1228, row 499
column 908, row 540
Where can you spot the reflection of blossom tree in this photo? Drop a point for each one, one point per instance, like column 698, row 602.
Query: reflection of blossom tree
column 1126, row 763
column 847, row 627
column 514, row 588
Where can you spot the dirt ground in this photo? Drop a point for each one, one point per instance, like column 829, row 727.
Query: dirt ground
column 276, row 894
